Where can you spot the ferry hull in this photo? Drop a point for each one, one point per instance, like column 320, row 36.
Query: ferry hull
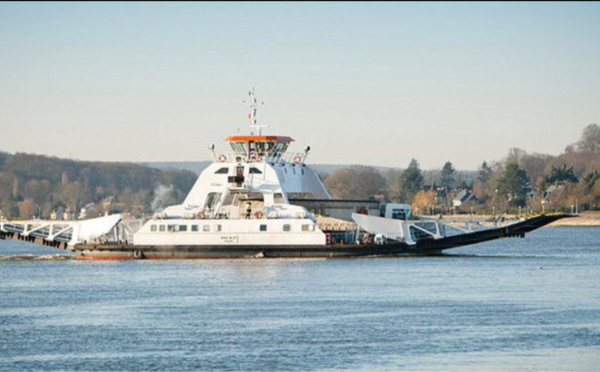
column 232, row 252
column 423, row 247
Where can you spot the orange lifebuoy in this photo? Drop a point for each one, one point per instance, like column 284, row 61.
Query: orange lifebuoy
column 297, row 159
column 258, row 215
column 222, row 158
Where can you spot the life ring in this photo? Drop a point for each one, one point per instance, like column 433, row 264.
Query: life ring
column 222, row 158
column 297, row 159
column 258, row 215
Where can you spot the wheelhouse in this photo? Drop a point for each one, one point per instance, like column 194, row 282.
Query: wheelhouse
column 259, row 145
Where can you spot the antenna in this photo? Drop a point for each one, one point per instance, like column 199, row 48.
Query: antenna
column 253, row 106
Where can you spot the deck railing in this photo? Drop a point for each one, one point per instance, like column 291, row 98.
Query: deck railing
column 253, row 157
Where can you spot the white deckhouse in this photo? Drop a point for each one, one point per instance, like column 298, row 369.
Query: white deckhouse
column 243, row 198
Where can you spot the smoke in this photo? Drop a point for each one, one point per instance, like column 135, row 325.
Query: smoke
column 162, row 195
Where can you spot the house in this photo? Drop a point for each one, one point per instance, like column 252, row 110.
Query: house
column 530, row 193
column 441, row 192
column 463, row 197
column 552, row 192
column 57, row 214
column 88, row 210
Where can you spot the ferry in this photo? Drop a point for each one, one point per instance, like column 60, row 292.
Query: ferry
column 259, row 200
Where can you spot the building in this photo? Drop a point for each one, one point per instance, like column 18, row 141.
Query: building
column 463, row 197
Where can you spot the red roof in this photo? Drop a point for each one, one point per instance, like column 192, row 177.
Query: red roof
column 259, row 139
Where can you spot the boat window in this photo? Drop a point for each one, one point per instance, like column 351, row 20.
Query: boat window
column 308, row 227
column 217, row 227
column 238, row 147
column 211, row 199
column 399, row 214
column 194, row 227
column 170, row 227
column 162, row 228
column 254, row 170
column 263, row 227
column 223, row 170
column 281, row 147
column 182, row 227
column 153, row 228
column 287, row 227
column 206, row 228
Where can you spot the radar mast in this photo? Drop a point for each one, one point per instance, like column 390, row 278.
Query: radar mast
column 255, row 128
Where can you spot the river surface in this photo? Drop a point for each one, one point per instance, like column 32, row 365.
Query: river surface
column 513, row 304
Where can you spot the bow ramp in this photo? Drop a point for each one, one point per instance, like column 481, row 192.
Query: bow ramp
column 65, row 234
column 431, row 236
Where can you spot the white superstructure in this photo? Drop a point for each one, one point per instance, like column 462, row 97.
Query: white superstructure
column 243, row 198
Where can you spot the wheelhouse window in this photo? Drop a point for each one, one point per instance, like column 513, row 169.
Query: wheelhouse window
column 153, row 228
column 287, row 227
column 263, row 227
column 239, row 147
column 206, row 228
column 194, row 227
column 223, row 170
column 171, row 228
column 217, row 227
column 254, row 170
column 182, row 227
column 162, row 228
column 399, row 214
column 308, row 227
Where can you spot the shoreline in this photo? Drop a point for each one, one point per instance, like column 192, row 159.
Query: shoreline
column 586, row 219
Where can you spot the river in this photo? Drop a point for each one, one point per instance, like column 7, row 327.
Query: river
column 512, row 304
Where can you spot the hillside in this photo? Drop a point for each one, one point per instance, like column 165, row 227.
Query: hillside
column 35, row 185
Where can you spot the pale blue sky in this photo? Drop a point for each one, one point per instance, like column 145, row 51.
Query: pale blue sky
column 367, row 83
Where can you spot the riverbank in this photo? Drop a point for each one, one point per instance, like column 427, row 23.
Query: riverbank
column 586, row 219
column 583, row 220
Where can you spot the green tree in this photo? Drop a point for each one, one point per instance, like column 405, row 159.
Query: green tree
column 561, row 174
column 410, row 182
column 513, row 184
column 447, row 176
column 484, row 173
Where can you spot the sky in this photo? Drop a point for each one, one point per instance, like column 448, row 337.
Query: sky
column 361, row 83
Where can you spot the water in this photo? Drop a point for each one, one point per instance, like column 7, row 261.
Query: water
column 512, row 304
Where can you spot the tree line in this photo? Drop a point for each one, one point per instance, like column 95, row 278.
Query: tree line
column 536, row 182
column 36, row 185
